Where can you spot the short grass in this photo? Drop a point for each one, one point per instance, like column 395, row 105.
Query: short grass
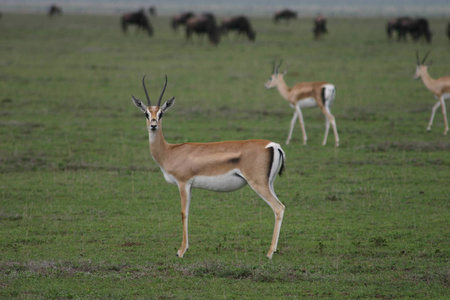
column 86, row 213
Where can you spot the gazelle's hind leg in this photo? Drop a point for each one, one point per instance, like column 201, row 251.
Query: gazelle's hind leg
column 263, row 186
column 330, row 119
column 327, row 128
column 278, row 209
column 444, row 112
column 329, row 94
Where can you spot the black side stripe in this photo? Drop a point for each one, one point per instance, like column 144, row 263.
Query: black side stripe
column 282, row 163
column 323, row 95
column 270, row 161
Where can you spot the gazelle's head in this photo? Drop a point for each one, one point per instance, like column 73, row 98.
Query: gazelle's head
column 276, row 77
column 421, row 67
column 153, row 113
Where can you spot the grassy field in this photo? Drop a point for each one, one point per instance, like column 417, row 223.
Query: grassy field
column 86, row 213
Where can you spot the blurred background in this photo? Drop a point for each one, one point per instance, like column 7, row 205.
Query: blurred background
column 434, row 8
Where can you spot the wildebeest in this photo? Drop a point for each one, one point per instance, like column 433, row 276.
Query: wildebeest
column 448, row 31
column 320, row 26
column 152, row 10
column 54, row 10
column 398, row 25
column 204, row 24
column 181, row 19
column 285, row 14
column 139, row 19
column 241, row 24
column 417, row 28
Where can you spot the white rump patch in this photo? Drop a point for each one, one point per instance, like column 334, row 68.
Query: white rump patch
column 330, row 94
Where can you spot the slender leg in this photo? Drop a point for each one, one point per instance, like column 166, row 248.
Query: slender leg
column 332, row 120
column 294, row 118
column 433, row 112
column 263, row 186
column 267, row 195
column 327, row 128
column 185, row 194
column 302, row 124
column 444, row 112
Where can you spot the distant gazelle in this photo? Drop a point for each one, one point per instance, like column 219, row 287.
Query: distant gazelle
column 306, row 95
column 220, row 166
column 439, row 87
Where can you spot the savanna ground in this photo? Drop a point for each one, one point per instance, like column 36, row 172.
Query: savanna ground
column 86, row 213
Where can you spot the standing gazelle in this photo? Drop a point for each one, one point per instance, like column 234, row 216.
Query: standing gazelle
column 306, row 95
column 221, row 166
column 439, row 87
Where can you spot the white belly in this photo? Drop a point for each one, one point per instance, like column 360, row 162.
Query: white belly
column 307, row 103
column 228, row 182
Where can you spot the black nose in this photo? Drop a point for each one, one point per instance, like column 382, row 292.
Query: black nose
column 153, row 127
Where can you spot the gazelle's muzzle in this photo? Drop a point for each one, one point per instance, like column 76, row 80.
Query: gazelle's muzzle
column 153, row 124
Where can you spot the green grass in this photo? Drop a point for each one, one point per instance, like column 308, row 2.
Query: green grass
column 86, row 213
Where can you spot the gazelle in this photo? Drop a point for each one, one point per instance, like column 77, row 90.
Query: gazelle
column 220, row 166
column 439, row 87
column 306, row 95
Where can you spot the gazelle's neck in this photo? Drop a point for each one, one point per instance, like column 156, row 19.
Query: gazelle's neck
column 158, row 145
column 283, row 88
column 429, row 82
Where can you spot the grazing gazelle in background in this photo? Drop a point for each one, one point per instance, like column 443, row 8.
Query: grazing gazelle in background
column 221, row 166
column 306, row 95
column 439, row 87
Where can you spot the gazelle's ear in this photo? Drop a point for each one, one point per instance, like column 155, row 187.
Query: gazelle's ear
column 169, row 103
column 139, row 104
column 284, row 73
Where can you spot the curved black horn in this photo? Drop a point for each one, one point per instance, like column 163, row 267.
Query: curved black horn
column 146, row 93
column 276, row 68
column 425, row 58
column 162, row 93
column 274, row 64
column 279, row 65
column 417, row 57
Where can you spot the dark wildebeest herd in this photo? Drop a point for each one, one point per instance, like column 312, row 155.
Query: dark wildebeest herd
column 417, row 28
column 205, row 24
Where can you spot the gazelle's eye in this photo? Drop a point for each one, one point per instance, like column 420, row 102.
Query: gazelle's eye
column 146, row 115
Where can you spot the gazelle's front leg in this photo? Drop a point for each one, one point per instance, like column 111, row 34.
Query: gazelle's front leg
column 444, row 113
column 433, row 112
column 302, row 124
column 291, row 129
column 185, row 195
